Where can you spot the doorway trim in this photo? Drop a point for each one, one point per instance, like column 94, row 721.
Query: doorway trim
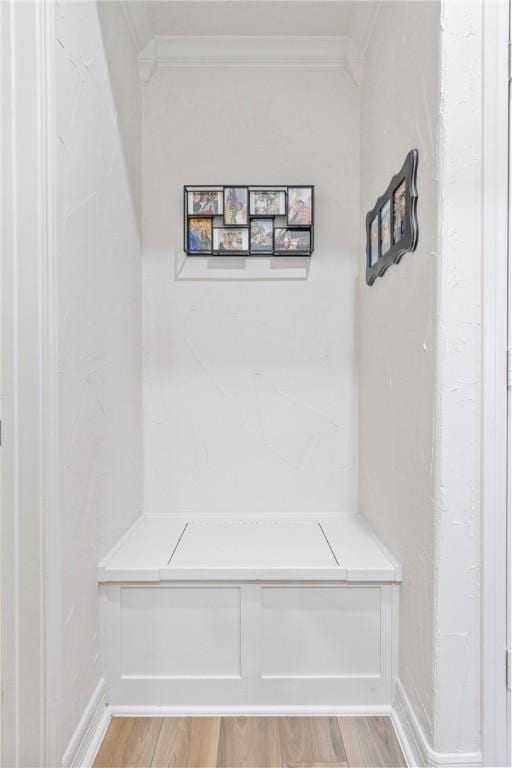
column 494, row 429
column 29, row 629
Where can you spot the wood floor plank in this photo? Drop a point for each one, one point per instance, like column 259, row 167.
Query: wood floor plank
column 187, row 742
column 129, row 743
column 249, row 742
column 370, row 742
column 310, row 764
column 311, row 740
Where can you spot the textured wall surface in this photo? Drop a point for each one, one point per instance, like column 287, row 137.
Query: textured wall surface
column 123, row 70
column 250, row 388
column 399, row 110
column 458, row 413
column 99, row 317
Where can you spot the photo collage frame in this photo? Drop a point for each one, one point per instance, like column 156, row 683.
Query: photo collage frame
column 239, row 220
column 392, row 225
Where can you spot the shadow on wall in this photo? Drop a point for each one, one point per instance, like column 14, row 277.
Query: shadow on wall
column 121, row 58
column 216, row 268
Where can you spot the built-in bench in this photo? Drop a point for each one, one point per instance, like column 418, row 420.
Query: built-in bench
column 254, row 615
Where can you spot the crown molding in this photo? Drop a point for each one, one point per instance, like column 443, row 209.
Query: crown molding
column 147, row 63
column 251, row 51
column 137, row 21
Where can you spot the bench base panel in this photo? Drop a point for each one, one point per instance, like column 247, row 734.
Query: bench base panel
column 254, row 645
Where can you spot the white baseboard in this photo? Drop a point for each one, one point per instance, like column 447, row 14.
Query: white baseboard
column 248, row 710
column 93, row 724
column 89, row 733
column 414, row 743
column 86, row 740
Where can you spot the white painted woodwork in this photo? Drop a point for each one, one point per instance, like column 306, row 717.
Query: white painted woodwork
column 166, row 548
column 253, row 544
column 180, row 632
column 496, row 728
column 249, row 646
column 145, row 549
column 326, row 51
column 360, row 552
column 224, row 624
column 320, row 631
column 28, row 395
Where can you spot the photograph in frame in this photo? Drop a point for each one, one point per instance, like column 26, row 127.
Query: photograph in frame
column 399, row 211
column 396, row 213
column 205, row 202
column 292, row 240
column 199, row 235
column 262, row 235
column 236, row 206
column 385, row 228
column 300, row 206
column 374, row 241
column 230, row 239
column 271, row 202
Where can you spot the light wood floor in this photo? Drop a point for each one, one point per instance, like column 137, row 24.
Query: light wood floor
column 250, row 742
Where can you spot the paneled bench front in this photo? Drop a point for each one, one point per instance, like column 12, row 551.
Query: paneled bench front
column 222, row 615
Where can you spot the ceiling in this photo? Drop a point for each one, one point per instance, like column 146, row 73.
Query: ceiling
column 150, row 18
column 250, row 17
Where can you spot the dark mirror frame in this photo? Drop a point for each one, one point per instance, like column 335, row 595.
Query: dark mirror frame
column 409, row 237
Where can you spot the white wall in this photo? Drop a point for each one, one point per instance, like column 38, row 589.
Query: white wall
column 399, row 111
column 99, row 328
column 250, row 387
column 120, row 51
column 420, row 359
column 457, row 659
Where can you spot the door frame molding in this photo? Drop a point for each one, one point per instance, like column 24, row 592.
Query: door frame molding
column 29, row 629
column 495, row 341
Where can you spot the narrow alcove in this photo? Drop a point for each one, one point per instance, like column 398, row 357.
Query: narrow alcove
column 261, row 469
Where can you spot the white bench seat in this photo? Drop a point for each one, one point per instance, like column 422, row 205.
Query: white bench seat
column 166, row 548
column 249, row 616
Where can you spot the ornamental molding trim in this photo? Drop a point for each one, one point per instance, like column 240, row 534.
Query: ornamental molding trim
column 331, row 52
